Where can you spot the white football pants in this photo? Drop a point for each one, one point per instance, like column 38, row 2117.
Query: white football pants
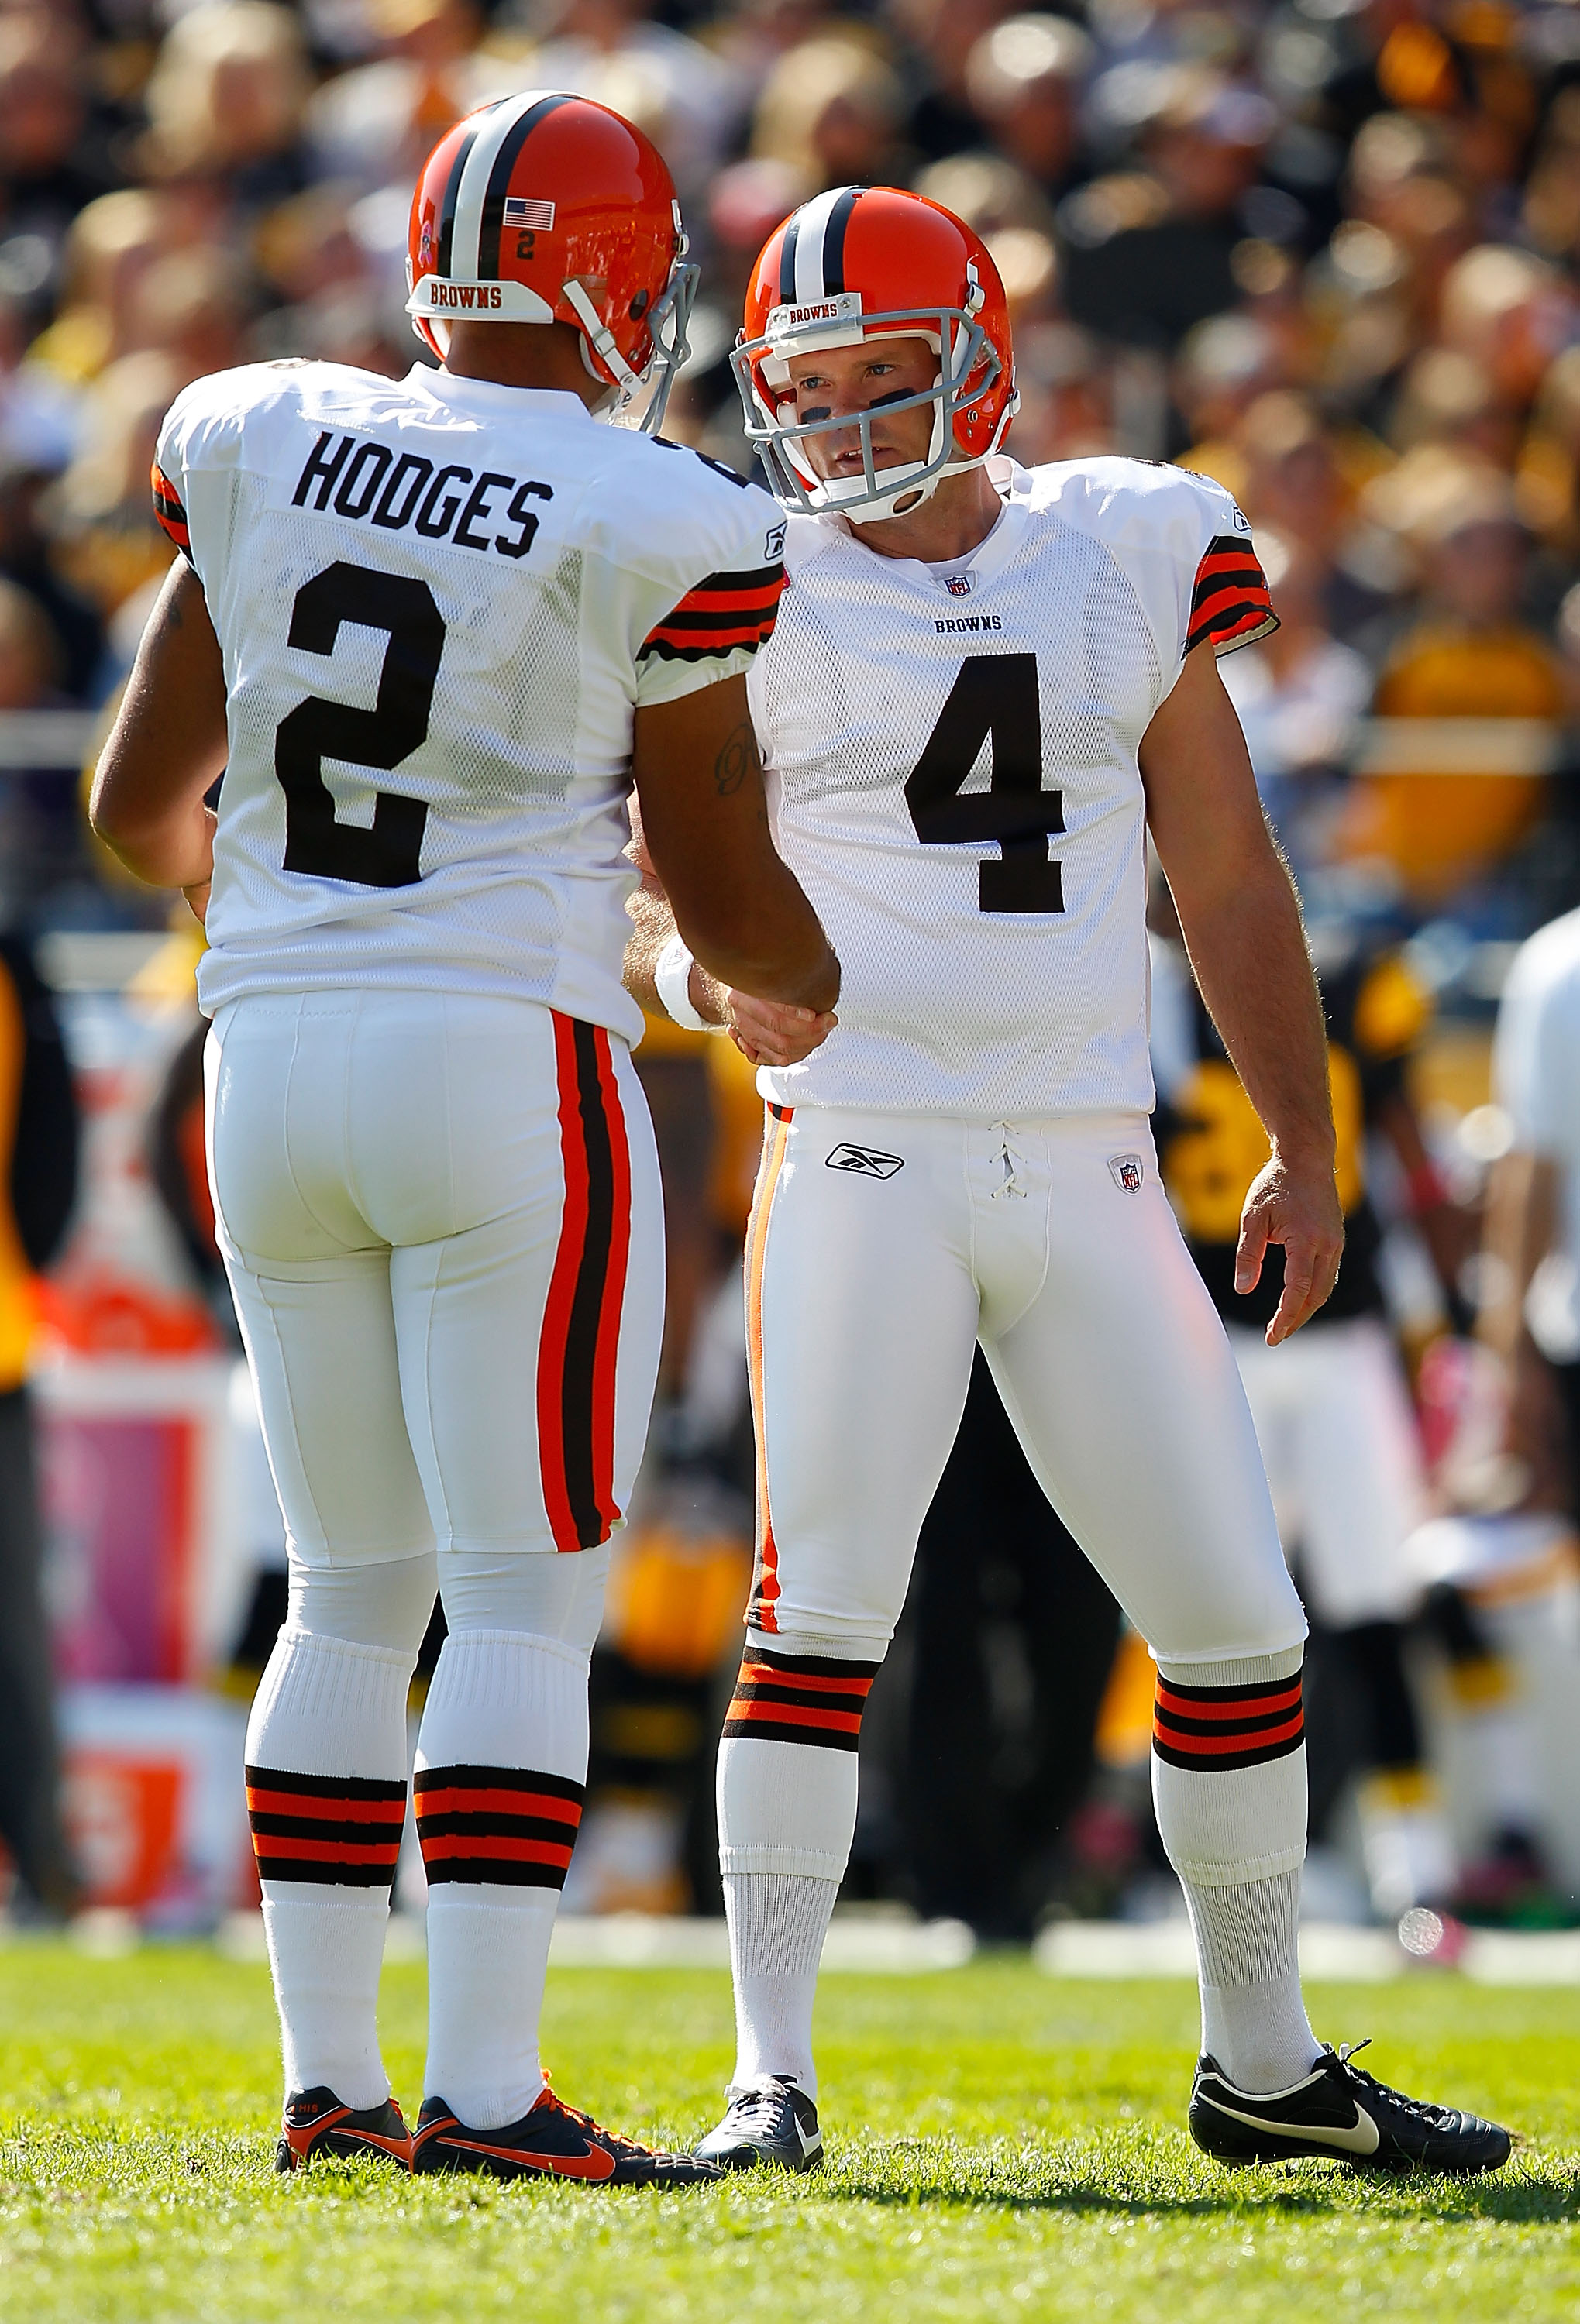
column 442, row 1222
column 1338, row 1437
column 881, row 1246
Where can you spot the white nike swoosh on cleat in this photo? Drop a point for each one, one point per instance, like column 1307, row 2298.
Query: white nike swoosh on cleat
column 810, row 2145
column 1362, row 2136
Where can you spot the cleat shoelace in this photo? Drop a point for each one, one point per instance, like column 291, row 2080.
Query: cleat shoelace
column 594, row 2132
column 1436, row 2117
column 756, row 2111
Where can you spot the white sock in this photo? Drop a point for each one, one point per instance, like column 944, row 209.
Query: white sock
column 326, row 1756
column 501, row 1766
column 788, row 1780
column 488, row 1956
column 778, row 1922
column 326, row 1951
column 1229, row 1787
column 1252, row 2013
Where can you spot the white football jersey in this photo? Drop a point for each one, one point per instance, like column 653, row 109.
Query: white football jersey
column 952, row 771
column 440, row 602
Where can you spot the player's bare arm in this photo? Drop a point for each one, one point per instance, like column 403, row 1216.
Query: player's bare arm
column 704, row 825
column 1243, row 930
column 166, row 747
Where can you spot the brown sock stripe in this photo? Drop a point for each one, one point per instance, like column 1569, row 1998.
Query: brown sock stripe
column 800, row 1698
column 1218, row 1729
column 502, row 1827
column 341, row 1830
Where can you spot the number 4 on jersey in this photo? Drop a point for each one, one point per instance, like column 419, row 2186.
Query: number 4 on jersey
column 995, row 700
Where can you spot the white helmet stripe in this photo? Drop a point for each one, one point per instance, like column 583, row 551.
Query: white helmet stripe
column 476, row 170
column 811, row 227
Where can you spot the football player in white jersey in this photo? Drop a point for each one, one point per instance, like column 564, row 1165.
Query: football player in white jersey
column 432, row 630
column 986, row 686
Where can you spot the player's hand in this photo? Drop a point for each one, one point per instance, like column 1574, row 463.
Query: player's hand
column 1296, row 1204
column 771, row 1032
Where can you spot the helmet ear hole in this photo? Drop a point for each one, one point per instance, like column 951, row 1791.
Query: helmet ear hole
column 640, row 304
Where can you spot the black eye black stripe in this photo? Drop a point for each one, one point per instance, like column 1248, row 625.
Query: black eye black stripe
column 833, row 243
column 786, row 262
column 491, row 230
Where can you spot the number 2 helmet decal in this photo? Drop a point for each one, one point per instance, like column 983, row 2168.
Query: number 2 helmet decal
column 544, row 208
column 872, row 262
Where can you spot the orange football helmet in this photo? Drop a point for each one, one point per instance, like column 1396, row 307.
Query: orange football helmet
column 872, row 262
column 543, row 207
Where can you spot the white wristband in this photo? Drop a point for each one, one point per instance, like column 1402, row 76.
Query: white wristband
column 672, row 977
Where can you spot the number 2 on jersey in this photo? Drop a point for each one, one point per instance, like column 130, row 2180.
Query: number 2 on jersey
column 384, row 854
column 995, row 696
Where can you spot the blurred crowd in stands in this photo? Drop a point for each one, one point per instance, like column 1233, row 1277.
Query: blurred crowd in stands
column 1326, row 252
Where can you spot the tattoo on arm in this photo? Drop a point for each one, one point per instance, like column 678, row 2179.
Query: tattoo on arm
column 733, row 762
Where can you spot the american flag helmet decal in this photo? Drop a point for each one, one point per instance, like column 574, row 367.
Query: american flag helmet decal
column 532, row 214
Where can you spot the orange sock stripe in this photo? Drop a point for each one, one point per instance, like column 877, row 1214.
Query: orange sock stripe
column 1219, row 1729
column 794, row 1714
column 459, row 1798
column 338, row 1831
column 1199, row 1702
column 763, row 1674
column 496, row 1826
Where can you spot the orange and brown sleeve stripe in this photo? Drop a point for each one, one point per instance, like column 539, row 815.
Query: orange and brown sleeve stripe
column 799, row 1699
column 725, row 612
column 1230, row 603
column 169, row 510
column 502, row 1827
column 343, row 1830
column 1213, row 1730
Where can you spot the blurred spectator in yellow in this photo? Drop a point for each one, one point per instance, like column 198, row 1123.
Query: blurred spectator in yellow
column 1470, row 699
column 107, row 541
column 38, row 1160
column 112, row 245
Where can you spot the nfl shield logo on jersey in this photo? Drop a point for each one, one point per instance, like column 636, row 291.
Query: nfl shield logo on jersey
column 958, row 584
column 1127, row 1172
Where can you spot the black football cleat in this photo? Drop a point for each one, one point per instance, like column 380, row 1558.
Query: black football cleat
column 316, row 2124
column 551, row 2141
column 773, row 2122
column 1337, row 2110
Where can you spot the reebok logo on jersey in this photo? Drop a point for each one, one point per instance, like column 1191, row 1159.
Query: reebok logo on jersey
column 365, row 481
column 864, row 1162
column 1127, row 1172
column 950, row 624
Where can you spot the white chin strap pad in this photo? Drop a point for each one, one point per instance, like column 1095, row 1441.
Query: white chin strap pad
column 602, row 339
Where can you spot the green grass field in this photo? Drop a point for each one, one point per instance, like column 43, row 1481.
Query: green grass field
column 999, row 2145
